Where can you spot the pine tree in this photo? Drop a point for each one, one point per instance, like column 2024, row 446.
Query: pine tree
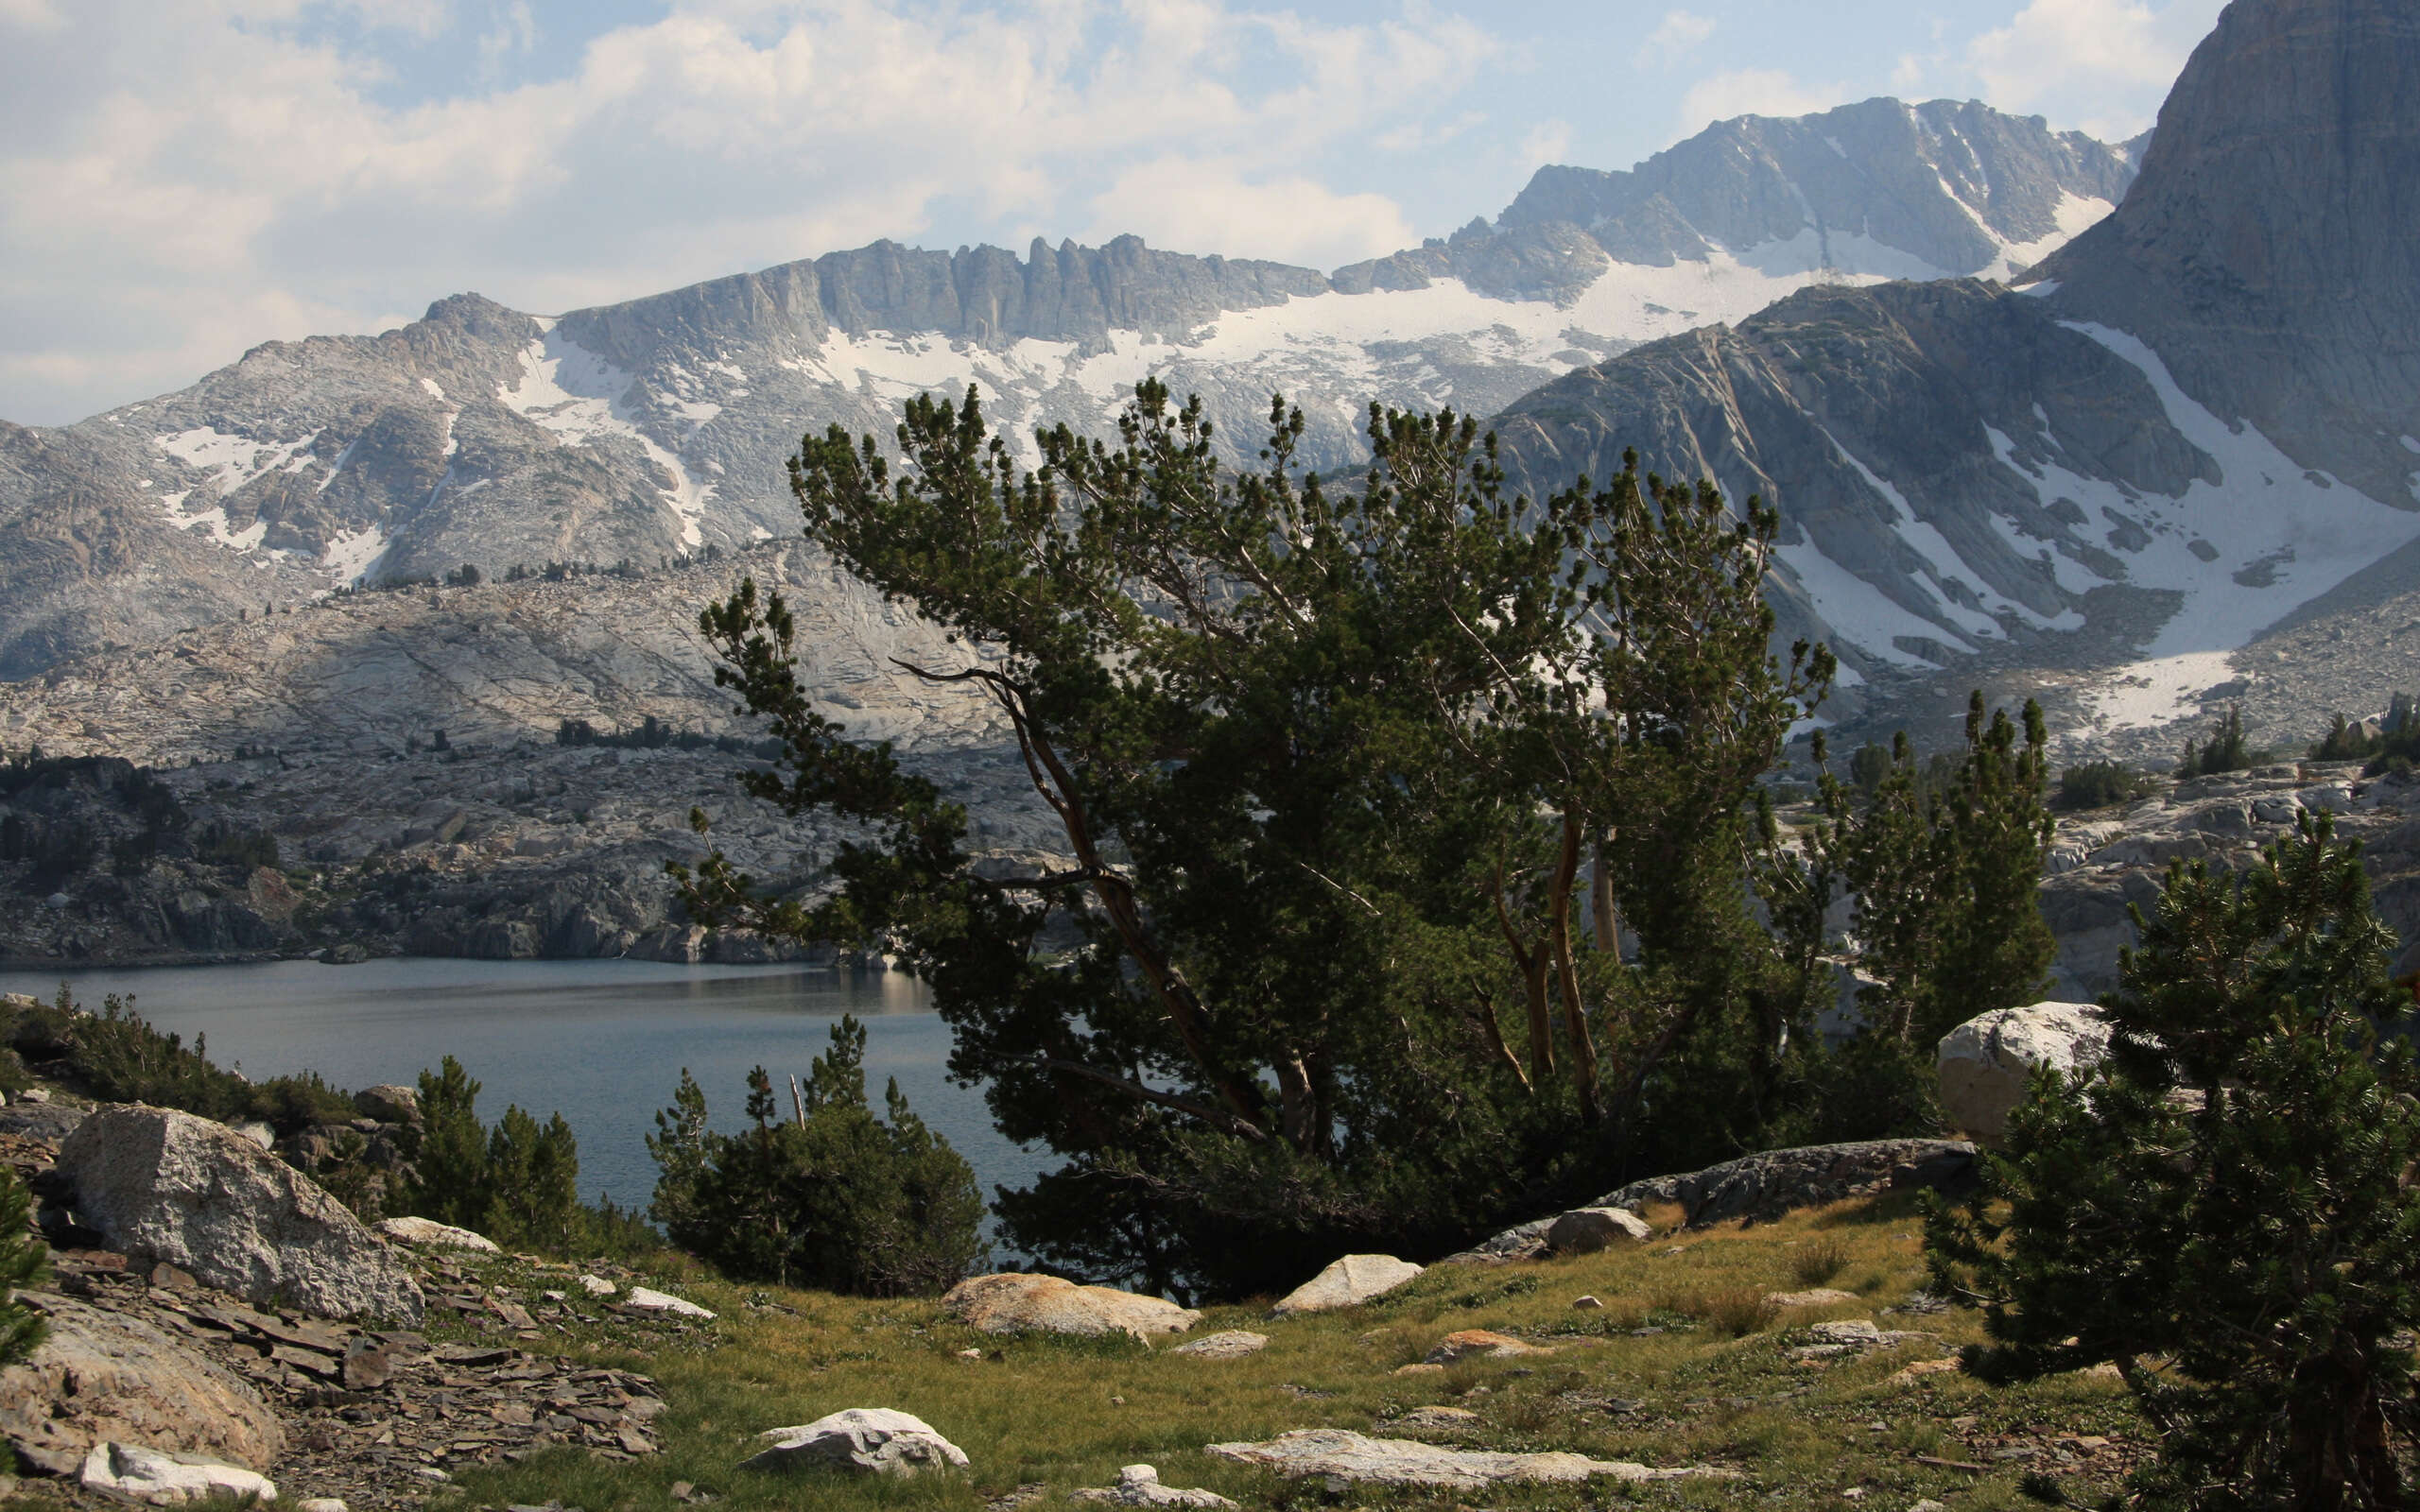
column 2222, row 1207
column 25, row 1260
column 450, row 1161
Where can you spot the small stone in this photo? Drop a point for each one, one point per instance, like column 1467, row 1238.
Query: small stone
column 1915, row 1372
column 1820, row 1297
column 1139, row 1485
column 1469, row 1342
column 1422, row 1368
column 598, row 1286
column 367, row 1365
column 168, row 1277
column 1928, row 1505
column 1859, row 1334
column 34, row 1094
column 970, row 1354
column 1586, row 1304
column 321, row 1503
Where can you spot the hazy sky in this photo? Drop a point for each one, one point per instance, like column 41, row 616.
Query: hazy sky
column 181, row 179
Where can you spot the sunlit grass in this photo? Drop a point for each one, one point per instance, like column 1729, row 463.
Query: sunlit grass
column 1685, row 1363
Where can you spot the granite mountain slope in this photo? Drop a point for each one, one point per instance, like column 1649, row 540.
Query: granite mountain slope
column 650, row 429
column 2192, row 422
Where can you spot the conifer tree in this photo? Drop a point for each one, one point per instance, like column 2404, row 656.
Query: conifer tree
column 25, row 1260
column 2224, row 1207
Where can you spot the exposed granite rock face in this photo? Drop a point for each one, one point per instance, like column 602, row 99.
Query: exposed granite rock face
column 2266, row 252
column 167, row 1186
column 104, row 1375
column 1949, row 185
column 655, row 427
column 1966, row 474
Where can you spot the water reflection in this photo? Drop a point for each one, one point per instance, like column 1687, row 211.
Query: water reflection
column 603, row 1042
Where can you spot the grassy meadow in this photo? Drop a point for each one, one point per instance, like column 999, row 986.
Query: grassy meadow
column 1715, row 1385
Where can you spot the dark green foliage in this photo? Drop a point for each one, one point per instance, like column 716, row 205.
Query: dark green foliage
column 834, row 1197
column 2099, row 784
column 24, row 1261
column 518, row 1183
column 2226, row 752
column 115, row 1056
column 1948, row 917
column 1365, row 789
column 2229, row 1192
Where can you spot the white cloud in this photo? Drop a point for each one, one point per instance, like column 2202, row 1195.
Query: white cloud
column 1681, row 31
column 1750, row 92
column 1546, row 142
column 179, row 182
column 1188, row 205
column 2076, row 60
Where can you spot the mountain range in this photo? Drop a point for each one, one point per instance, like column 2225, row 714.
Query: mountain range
column 2032, row 417
column 649, row 430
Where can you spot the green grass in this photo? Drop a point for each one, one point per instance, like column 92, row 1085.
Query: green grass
column 1717, row 1386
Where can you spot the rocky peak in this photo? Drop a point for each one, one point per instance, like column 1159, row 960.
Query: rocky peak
column 2265, row 251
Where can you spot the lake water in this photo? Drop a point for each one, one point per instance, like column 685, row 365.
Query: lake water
column 601, row 1041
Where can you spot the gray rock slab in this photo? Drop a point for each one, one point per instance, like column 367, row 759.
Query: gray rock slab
column 103, row 1375
column 1016, row 1302
column 163, row 1185
column 160, row 1478
column 1347, row 1282
column 1408, row 1462
column 1139, row 1485
column 863, row 1441
column 1230, row 1344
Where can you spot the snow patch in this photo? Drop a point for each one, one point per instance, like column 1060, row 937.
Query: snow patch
column 435, row 392
column 1855, row 608
column 2157, row 693
column 581, row 397
column 351, row 554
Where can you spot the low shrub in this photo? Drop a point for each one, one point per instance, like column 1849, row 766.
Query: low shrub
column 1818, row 1261
column 2099, row 784
column 837, row 1198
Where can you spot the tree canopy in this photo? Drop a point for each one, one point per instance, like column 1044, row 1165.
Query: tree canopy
column 1415, row 867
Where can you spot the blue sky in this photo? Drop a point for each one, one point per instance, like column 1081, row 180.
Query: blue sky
column 181, row 179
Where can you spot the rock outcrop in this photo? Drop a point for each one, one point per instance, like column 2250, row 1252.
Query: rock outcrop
column 104, row 1377
column 1585, row 1231
column 166, row 1186
column 1347, row 1282
column 1986, row 1063
column 428, row 1232
column 1358, row 1457
column 136, row 1473
column 864, row 1440
column 1014, row 1302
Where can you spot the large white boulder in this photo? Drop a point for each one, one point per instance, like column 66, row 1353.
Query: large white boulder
column 1586, row 1230
column 1347, row 1283
column 1015, row 1302
column 162, row 1479
column 868, row 1441
column 1985, row 1062
column 162, row 1185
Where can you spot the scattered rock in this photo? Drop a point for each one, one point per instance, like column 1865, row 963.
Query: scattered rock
column 1014, row 1302
column 1351, row 1457
column 1436, row 1419
column 321, row 1503
column 166, row 1479
column 598, row 1286
column 1469, row 1342
column 1586, row 1230
column 1347, row 1283
column 646, row 1300
column 164, row 1185
column 1139, row 1485
column 1858, row 1332
column 1818, row 1297
column 868, row 1441
column 1418, row 1367
column 1231, row 1343
column 1910, row 1374
column 388, row 1103
column 1985, row 1063
column 428, row 1232
column 103, row 1375
column 256, row 1131
column 1586, row 1304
